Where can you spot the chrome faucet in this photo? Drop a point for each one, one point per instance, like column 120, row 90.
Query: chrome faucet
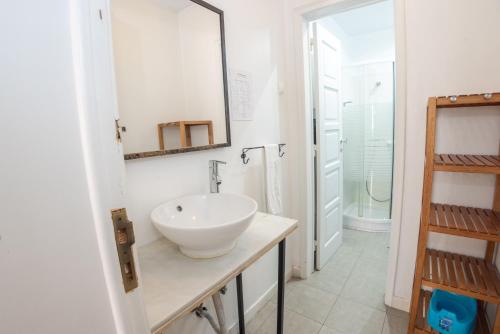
column 213, row 171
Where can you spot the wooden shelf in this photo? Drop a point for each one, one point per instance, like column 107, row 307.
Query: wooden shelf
column 467, row 163
column 474, row 100
column 423, row 327
column 465, row 275
column 461, row 274
column 185, row 132
column 467, row 222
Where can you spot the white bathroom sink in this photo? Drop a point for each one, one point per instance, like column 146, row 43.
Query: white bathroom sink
column 205, row 226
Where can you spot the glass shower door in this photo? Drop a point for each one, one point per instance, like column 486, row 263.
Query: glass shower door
column 368, row 111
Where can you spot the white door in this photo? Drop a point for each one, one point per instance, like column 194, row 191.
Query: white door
column 108, row 166
column 326, row 83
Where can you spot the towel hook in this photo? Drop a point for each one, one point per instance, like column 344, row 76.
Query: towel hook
column 281, row 152
column 244, row 156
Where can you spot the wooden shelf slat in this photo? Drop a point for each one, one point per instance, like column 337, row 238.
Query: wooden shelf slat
column 476, row 100
column 463, row 221
column 461, row 163
column 423, row 307
column 461, row 274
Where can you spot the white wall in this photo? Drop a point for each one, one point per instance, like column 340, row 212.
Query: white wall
column 366, row 32
column 368, row 47
column 372, row 47
column 254, row 40
column 52, row 273
column 445, row 56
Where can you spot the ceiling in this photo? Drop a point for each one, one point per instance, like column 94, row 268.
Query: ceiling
column 379, row 16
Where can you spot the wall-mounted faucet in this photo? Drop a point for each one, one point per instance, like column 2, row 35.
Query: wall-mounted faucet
column 213, row 174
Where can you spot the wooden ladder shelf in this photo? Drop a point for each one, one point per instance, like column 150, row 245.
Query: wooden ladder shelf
column 466, row 275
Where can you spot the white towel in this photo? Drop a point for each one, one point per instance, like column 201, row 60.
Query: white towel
column 273, row 179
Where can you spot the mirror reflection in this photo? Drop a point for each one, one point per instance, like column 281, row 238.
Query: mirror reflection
column 170, row 75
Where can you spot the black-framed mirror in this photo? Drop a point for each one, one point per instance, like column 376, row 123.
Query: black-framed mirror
column 171, row 76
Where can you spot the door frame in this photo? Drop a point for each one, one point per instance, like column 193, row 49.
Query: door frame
column 300, row 131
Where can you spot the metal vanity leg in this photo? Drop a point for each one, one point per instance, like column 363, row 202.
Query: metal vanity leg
column 281, row 287
column 241, row 308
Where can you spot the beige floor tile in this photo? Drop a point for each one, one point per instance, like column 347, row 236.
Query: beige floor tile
column 364, row 290
column 328, row 279
column 395, row 324
column 294, row 324
column 355, row 234
column 372, row 268
column 354, row 240
column 397, row 313
column 344, row 259
column 377, row 252
column 326, row 330
column 357, row 273
column 351, row 317
column 289, row 286
column 259, row 318
column 310, row 302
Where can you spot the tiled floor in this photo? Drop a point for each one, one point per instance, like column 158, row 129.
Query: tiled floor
column 346, row 297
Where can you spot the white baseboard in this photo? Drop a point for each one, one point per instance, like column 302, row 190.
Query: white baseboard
column 255, row 307
column 400, row 303
column 295, row 272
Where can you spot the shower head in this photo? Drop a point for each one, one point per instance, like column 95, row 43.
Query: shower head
column 374, row 89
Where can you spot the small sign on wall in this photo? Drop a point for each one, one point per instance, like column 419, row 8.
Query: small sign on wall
column 241, row 99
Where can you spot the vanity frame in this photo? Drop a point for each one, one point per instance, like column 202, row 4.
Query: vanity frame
column 167, row 300
column 281, row 293
column 149, row 154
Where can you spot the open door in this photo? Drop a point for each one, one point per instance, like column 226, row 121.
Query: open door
column 326, row 93
column 106, row 164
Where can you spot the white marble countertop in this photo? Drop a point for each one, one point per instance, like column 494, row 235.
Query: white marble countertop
column 173, row 284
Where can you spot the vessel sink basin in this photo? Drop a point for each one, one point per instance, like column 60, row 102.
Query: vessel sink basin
column 205, row 226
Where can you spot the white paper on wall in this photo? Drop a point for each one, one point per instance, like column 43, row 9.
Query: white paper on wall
column 241, row 96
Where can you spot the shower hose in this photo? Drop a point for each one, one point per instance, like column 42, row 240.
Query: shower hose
column 373, row 197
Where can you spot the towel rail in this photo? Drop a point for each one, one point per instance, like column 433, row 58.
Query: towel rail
column 246, row 149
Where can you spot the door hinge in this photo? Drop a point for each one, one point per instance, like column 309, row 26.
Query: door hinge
column 315, row 245
column 315, row 113
column 311, row 45
column 118, row 131
column 124, row 238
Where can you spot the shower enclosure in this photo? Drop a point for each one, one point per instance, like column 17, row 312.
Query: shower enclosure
column 368, row 123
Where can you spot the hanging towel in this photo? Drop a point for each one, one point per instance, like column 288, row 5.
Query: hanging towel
column 273, row 178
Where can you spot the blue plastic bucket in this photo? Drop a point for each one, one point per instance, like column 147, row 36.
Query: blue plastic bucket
column 450, row 313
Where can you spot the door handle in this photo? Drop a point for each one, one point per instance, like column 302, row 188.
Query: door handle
column 342, row 142
column 124, row 237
